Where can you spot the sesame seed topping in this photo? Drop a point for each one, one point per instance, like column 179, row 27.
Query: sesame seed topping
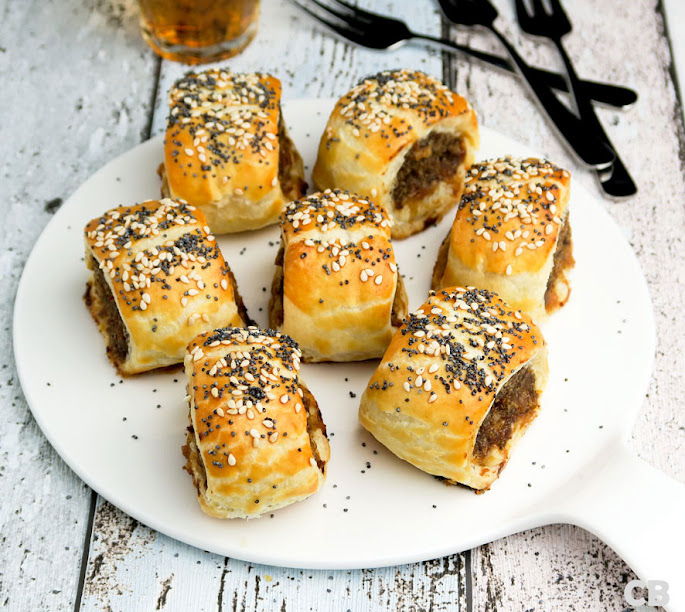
column 376, row 104
column 459, row 349
column 511, row 203
column 144, row 273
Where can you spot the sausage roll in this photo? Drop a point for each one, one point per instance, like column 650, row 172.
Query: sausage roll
column 403, row 139
column 227, row 149
column 256, row 441
column 512, row 235
column 158, row 279
column 337, row 290
column 458, row 386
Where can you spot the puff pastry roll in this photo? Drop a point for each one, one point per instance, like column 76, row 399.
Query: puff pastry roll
column 256, row 441
column 337, row 290
column 403, row 139
column 512, row 235
column 227, row 149
column 157, row 280
column 458, row 386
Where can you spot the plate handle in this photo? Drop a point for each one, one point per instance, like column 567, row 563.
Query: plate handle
column 639, row 512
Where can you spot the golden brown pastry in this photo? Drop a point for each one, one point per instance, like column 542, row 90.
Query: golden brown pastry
column 512, row 234
column 458, row 386
column 256, row 440
column 403, row 139
column 158, row 279
column 227, row 149
column 336, row 289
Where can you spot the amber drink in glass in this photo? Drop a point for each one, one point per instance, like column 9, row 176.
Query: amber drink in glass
column 198, row 31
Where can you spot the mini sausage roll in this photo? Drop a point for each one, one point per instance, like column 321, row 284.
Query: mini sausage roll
column 158, row 279
column 337, row 290
column 256, row 441
column 403, row 139
column 458, row 386
column 512, row 235
column 227, row 149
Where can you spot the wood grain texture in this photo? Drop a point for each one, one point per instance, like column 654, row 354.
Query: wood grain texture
column 572, row 565
column 133, row 567
column 101, row 82
column 560, row 567
column 310, row 64
column 77, row 87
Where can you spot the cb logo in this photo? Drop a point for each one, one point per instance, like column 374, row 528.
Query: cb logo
column 657, row 592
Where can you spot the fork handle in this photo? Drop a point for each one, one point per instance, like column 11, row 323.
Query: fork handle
column 620, row 184
column 592, row 150
column 604, row 93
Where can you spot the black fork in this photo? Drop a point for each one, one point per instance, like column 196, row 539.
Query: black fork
column 554, row 25
column 588, row 146
column 380, row 32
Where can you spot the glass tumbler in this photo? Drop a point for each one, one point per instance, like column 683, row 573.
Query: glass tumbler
column 198, row 31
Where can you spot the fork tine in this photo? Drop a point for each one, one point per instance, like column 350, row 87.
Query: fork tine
column 522, row 14
column 347, row 18
column 556, row 7
column 315, row 14
column 340, row 25
column 539, row 7
column 355, row 11
column 559, row 11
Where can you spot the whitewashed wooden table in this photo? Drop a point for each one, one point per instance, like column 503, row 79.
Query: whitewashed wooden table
column 80, row 87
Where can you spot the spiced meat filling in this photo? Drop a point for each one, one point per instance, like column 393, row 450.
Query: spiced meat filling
column 400, row 302
column 291, row 185
column 107, row 316
column 276, row 299
column 440, row 264
column 430, row 160
column 514, row 405
column 315, row 426
column 242, row 309
column 194, row 465
column 563, row 260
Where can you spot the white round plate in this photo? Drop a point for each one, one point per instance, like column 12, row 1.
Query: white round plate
column 124, row 437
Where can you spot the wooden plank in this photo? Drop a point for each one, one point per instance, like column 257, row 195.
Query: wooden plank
column 310, row 62
column 129, row 564
column 134, row 567
column 564, row 567
column 89, row 119
column 560, row 567
column 77, row 89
